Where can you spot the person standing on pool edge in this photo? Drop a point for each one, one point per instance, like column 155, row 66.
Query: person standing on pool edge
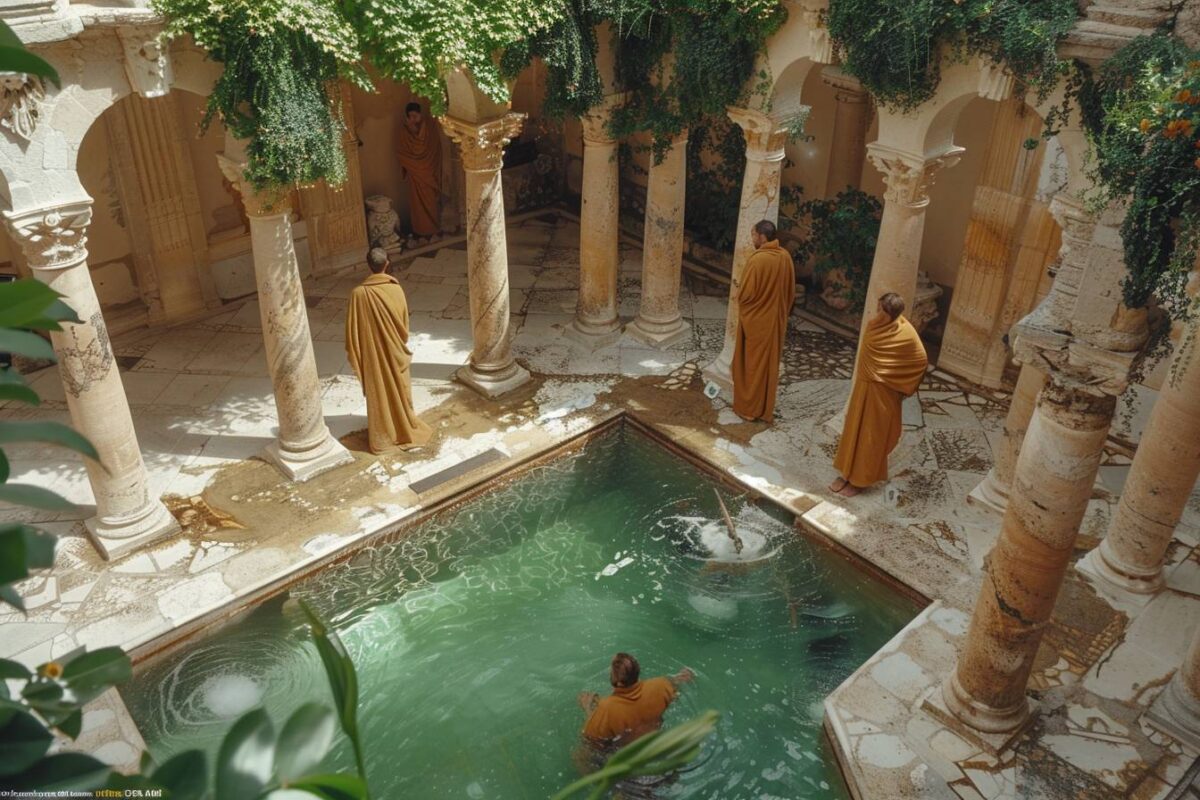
column 635, row 707
column 377, row 346
column 766, row 292
column 891, row 364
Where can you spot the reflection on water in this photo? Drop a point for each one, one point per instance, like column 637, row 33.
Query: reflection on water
column 475, row 632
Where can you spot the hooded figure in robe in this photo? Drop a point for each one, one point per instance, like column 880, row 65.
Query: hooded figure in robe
column 419, row 148
column 766, row 293
column 377, row 346
column 891, row 364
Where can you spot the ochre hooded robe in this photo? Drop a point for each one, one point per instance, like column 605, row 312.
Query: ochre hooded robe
column 377, row 346
column 765, row 297
column 421, row 156
column 891, row 364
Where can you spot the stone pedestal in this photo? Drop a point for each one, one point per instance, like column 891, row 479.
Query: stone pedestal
column 596, row 323
column 765, row 138
column 851, row 116
column 1163, row 474
column 492, row 371
column 304, row 447
column 992, row 492
column 1024, row 572
column 658, row 322
column 1177, row 710
column 54, row 244
column 898, row 251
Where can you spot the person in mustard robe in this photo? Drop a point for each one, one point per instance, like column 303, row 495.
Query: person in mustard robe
column 377, row 346
column 419, row 148
column 891, row 364
column 766, row 292
column 634, row 709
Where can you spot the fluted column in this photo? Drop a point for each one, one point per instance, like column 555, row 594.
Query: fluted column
column 596, row 323
column 992, row 492
column 1024, row 572
column 304, row 447
column 658, row 322
column 54, row 244
column 1177, row 709
column 765, row 138
column 492, row 371
column 848, row 144
column 898, row 250
column 1160, row 481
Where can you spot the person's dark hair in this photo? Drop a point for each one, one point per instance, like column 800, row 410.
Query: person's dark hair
column 766, row 229
column 411, row 107
column 625, row 670
column 893, row 304
column 377, row 259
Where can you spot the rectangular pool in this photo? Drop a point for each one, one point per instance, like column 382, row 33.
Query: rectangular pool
column 474, row 631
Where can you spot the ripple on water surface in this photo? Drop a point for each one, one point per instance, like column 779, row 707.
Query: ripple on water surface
column 474, row 633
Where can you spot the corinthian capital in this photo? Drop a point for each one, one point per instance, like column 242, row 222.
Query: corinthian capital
column 52, row 238
column 482, row 144
column 267, row 203
column 765, row 134
column 909, row 177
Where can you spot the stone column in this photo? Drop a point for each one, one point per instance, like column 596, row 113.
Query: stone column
column 898, row 250
column 992, row 491
column 596, row 323
column 1177, row 709
column 1024, row 572
column 765, row 139
column 1163, row 474
column 848, row 144
column 304, row 447
column 492, row 371
column 54, row 244
column 658, row 322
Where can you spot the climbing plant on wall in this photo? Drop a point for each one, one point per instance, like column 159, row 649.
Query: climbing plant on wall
column 896, row 47
column 1141, row 111
column 279, row 58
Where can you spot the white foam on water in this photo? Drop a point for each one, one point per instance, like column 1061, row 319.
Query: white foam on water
column 715, row 607
column 229, row 695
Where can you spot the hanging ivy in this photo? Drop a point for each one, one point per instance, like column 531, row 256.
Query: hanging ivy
column 568, row 48
column 895, row 47
column 280, row 57
column 716, row 157
column 1141, row 112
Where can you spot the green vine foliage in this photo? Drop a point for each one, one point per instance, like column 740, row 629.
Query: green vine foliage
column 895, row 47
column 280, row 58
column 842, row 232
column 569, row 49
column 716, row 157
column 1141, row 112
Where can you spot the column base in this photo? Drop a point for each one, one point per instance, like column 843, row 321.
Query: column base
column 656, row 334
column 1177, row 715
column 493, row 384
column 1099, row 564
column 119, row 536
column 720, row 372
column 993, row 729
column 593, row 337
column 305, row 465
column 988, row 494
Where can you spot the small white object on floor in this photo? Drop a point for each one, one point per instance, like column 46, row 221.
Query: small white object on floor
column 891, row 495
column 711, row 390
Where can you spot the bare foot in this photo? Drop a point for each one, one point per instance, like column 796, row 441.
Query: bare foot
column 838, row 485
column 849, row 490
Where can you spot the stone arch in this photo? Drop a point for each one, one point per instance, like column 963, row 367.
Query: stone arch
column 802, row 37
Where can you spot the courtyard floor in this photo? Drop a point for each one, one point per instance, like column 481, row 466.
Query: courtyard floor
column 203, row 408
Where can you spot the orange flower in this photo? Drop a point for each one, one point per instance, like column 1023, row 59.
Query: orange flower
column 51, row 669
column 1197, row 163
column 1184, row 96
column 1144, row 126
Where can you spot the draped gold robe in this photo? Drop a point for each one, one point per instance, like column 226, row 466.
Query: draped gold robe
column 421, row 156
column 891, row 364
column 765, row 297
column 377, row 346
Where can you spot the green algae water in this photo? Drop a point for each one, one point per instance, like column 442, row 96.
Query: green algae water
column 474, row 631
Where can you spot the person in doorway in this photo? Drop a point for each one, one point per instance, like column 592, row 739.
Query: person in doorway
column 766, row 292
column 377, row 346
column 419, row 149
column 635, row 706
column 891, row 364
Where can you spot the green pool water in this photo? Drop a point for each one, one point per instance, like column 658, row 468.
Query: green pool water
column 474, row 632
